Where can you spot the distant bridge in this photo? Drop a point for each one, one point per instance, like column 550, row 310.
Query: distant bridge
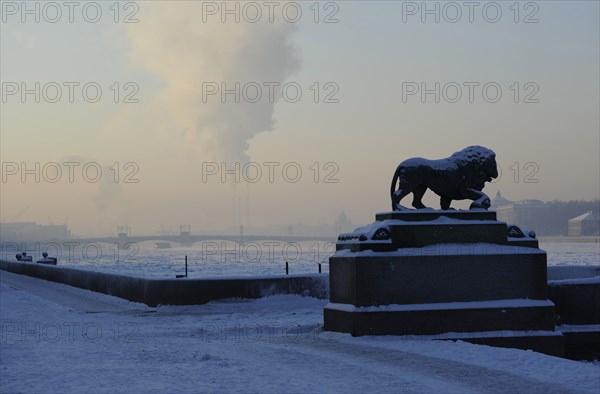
column 189, row 239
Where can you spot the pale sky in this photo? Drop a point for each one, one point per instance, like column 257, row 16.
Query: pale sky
column 367, row 61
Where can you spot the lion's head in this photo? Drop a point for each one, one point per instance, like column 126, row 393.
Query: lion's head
column 478, row 165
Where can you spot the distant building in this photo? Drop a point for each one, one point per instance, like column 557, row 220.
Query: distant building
column 32, row 232
column 548, row 218
column 586, row 224
column 500, row 201
column 343, row 224
column 528, row 214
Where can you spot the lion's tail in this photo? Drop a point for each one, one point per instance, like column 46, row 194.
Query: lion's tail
column 394, row 183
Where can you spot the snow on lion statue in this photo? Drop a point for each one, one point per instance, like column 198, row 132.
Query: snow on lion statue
column 458, row 177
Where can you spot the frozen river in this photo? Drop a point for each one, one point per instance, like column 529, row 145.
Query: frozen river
column 205, row 259
column 227, row 258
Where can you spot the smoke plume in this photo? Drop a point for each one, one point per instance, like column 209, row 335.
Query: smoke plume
column 172, row 42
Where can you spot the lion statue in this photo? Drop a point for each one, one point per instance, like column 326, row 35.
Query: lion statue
column 458, row 177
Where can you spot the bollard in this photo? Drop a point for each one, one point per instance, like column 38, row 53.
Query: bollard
column 319, row 267
column 186, row 270
column 287, row 268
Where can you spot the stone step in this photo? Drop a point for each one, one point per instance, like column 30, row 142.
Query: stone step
column 547, row 342
column 417, row 228
column 425, row 215
column 582, row 342
column 428, row 233
column 429, row 319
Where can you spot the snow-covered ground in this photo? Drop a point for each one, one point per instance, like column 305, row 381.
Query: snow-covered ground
column 56, row 338
column 226, row 258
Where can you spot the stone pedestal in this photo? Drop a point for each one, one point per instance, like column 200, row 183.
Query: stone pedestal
column 451, row 274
